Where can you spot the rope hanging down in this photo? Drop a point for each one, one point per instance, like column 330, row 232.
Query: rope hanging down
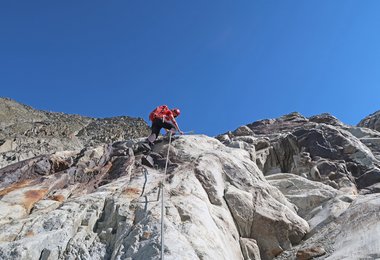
column 162, row 199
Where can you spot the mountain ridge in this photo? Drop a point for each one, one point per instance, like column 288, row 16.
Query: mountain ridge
column 26, row 132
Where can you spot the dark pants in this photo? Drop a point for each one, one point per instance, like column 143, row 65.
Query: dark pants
column 157, row 125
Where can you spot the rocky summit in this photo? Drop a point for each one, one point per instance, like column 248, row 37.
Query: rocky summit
column 286, row 188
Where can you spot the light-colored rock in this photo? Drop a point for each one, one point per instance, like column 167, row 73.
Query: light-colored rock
column 347, row 227
column 275, row 229
column 250, row 249
column 361, row 132
column 303, row 193
column 121, row 219
column 328, row 211
column 359, row 230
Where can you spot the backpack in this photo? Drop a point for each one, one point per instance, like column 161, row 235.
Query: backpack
column 158, row 112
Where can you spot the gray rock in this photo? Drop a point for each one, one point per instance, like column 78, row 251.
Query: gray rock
column 147, row 161
column 275, row 229
column 305, row 194
column 250, row 249
column 26, row 132
column 320, row 147
column 375, row 188
column 372, row 121
column 369, row 178
column 310, row 253
column 242, row 131
column 326, row 118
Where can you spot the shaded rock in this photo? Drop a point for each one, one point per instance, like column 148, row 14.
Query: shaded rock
column 316, row 143
column 19, row 172
column 242, row 131
column 42, row 167
column 261, row 144
column 148, row 161
column 159, row 160
column 281, row 154
column 121, row 166
column 368, row 178
column 375, row 188
column 142, row 147
column 122, row 148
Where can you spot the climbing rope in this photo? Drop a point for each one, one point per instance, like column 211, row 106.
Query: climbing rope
column 162, row 198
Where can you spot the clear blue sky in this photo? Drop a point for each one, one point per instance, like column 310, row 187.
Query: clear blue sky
column 223, row 63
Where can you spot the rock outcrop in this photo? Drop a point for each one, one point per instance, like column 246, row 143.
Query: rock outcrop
column 286, row 188
column 321, row 165
column 320, row 148
column 372, row 121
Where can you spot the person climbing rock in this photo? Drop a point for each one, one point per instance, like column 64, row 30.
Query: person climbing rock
column 163, row 117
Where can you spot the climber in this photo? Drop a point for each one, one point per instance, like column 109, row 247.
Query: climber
column 163, row 117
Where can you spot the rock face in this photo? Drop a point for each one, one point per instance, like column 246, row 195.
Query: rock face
column 286, row 188
column 320, row 148
column 321, row 165
column 25, row 132
column 102, row 203
column 372, row 121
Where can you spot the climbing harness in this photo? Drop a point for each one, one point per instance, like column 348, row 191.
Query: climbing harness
column 162, row 184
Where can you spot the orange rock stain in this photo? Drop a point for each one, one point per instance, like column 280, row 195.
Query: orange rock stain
column 14, row 186
column 31, row 197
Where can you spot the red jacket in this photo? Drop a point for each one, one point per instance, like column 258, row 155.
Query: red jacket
column 164, row 113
